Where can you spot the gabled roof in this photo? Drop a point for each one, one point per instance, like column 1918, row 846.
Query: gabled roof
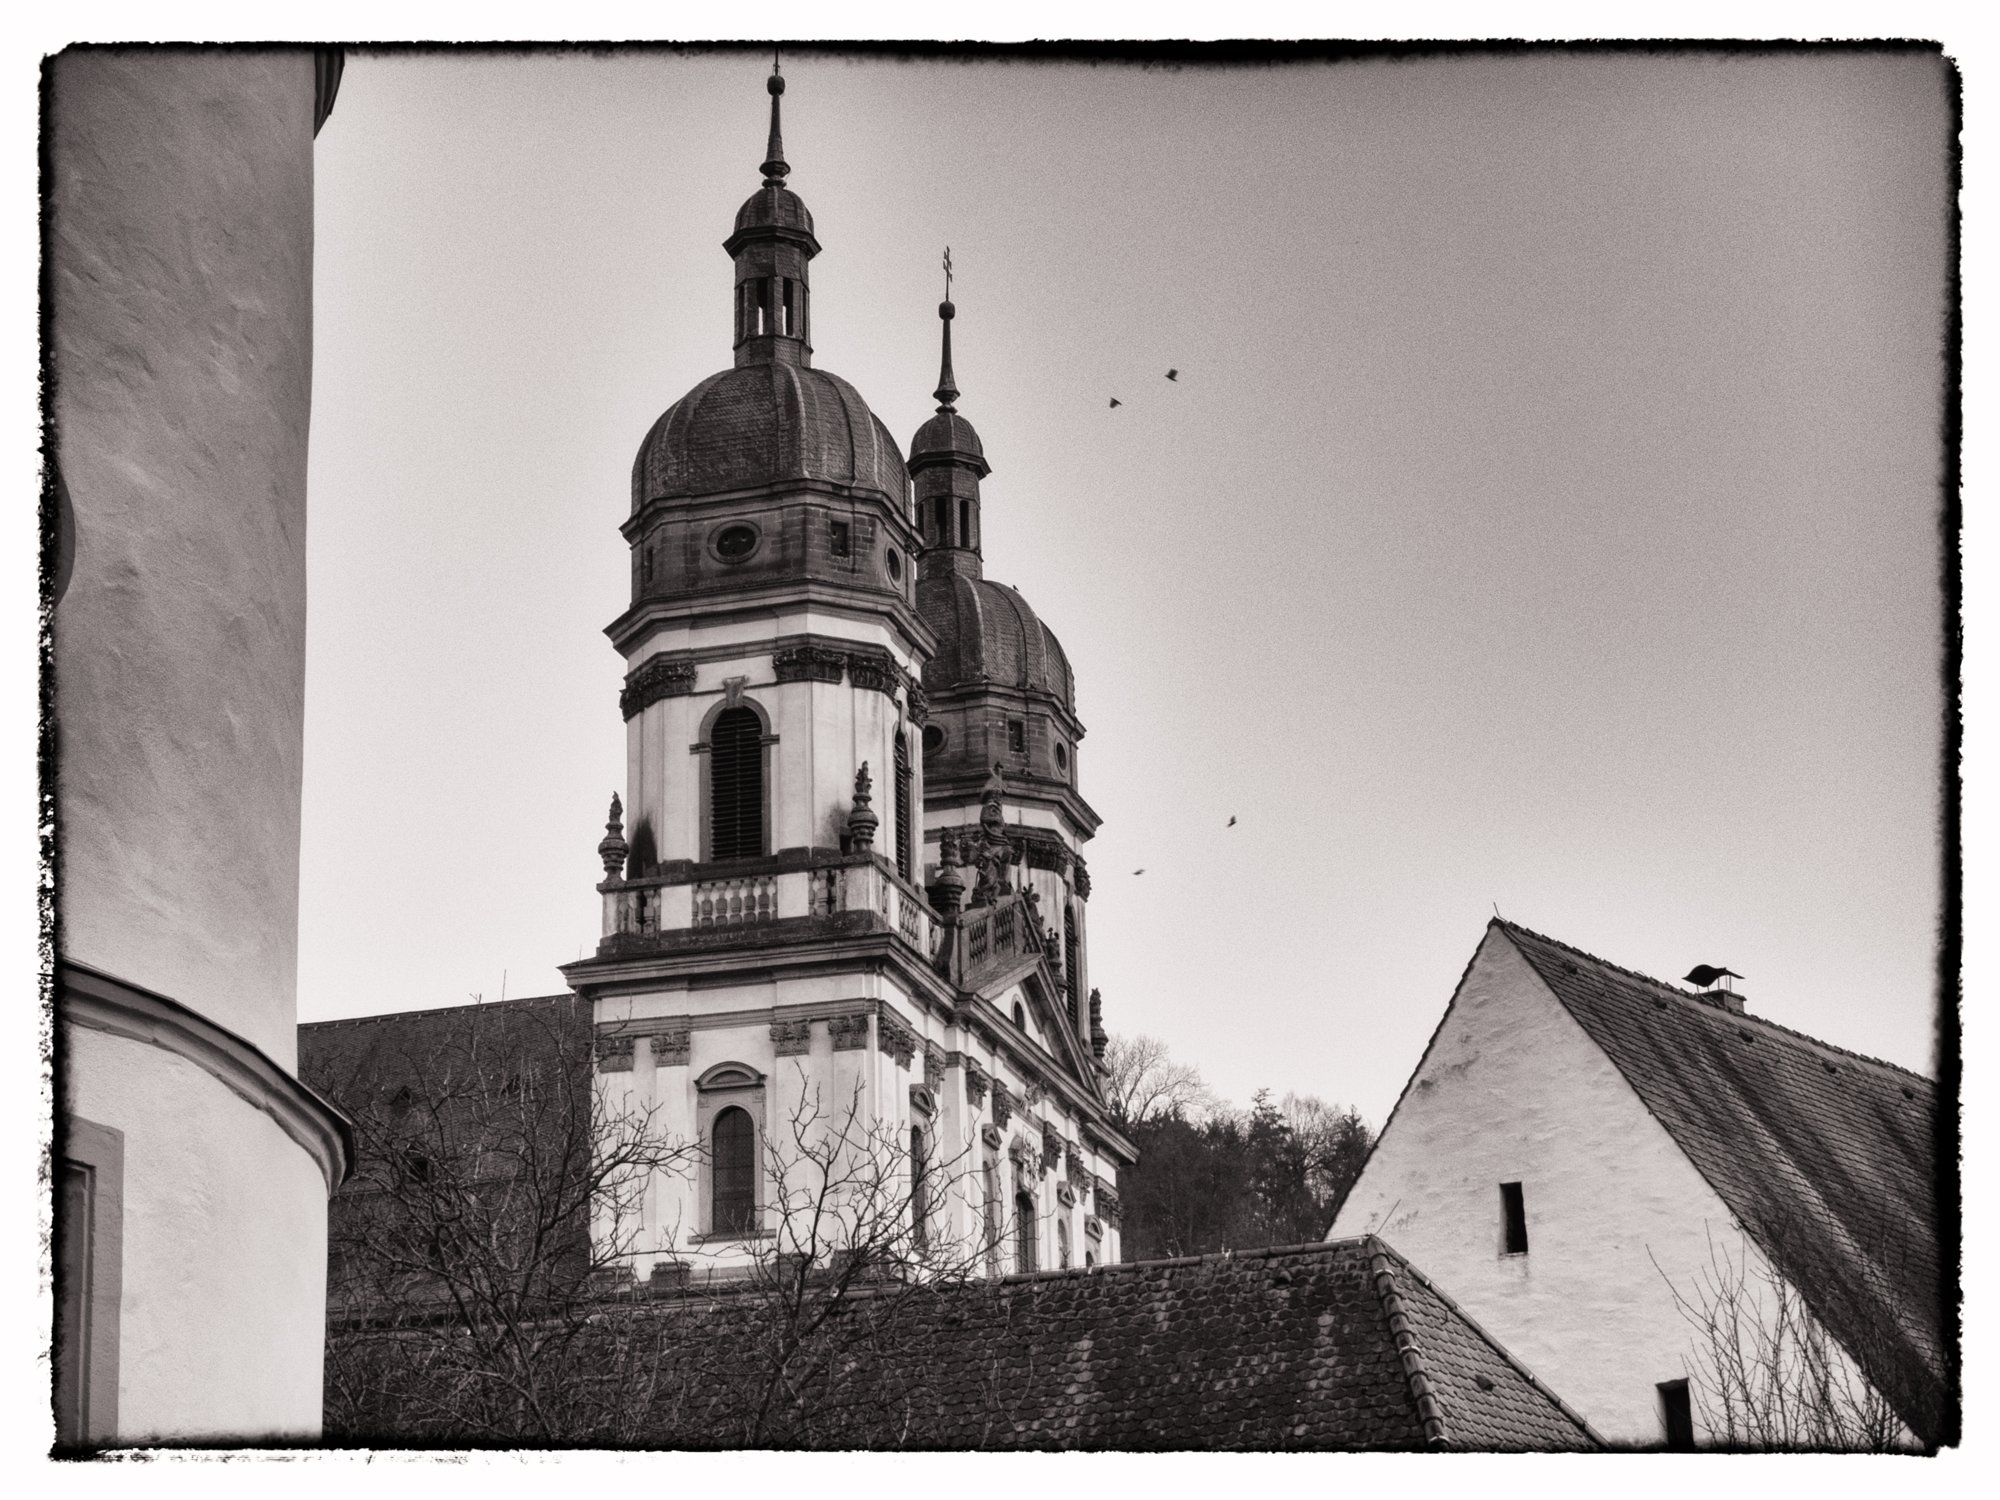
column 1824, row 1156
column 1336, row 1345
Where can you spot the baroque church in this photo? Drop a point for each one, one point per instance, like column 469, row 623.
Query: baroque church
column 845, row 889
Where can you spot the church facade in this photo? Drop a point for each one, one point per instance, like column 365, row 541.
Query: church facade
column 844, row 893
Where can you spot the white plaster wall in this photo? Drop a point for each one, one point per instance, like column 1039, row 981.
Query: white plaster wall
column 181, row 273
column 1513, row 1090
column 222, row 1314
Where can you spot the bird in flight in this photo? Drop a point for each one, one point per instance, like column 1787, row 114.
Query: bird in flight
column 1173, row 375
column 1116, row 402
column 1706, row 974
column 1140, row 871
column 1231, row 823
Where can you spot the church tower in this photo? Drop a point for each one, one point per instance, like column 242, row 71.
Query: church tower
column 783, row 947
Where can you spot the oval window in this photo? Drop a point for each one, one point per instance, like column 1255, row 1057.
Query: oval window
column 933, row 739
column 1062, row 758
column 895, row 561
column 735, row 542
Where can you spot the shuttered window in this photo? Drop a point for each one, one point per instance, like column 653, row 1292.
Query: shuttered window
column 905, row 855
column 1024, row 1232
column 734, row 1169
column 920, row 1189
column 736, row 786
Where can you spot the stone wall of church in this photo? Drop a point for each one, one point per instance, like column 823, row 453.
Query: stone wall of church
column 1512, row 1090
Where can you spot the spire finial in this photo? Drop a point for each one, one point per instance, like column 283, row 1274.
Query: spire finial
column 947, row 391
column 774, row 168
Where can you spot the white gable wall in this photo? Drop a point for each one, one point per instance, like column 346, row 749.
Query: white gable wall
column 1513, row 1090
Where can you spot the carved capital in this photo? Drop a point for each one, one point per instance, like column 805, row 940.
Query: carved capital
column 1106, row 1201
column 614, row 1053
column 1052, row 1147
column 897, row 1040
column 808, row 663
column 850, row 1033
column 670, row 1048
column 933, row 1068
column 977, row 1080
column 657, row 677
column 791, row 1038
column 874, row 670
column 1003, row 1103
column 917, row 700
column 1080, row 877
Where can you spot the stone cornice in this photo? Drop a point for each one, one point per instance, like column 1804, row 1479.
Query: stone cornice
column 630, row 630
column 800, row 657
column 91, row 998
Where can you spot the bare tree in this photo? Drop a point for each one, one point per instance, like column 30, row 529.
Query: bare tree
column 821, row 1344
column 1146, row 1083
column 1764, row 1373
column 465, row 1284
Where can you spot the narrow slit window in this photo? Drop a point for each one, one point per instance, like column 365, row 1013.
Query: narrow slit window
column 843, row 540
column 905, row 811
column 941, row 510
column 1514, row 1218
column 1024, row 1232
column 920, row 1189
column 965, row 523
column 1017, row 736
column 1676, row 1416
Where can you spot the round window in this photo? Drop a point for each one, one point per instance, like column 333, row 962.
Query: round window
column 735, row 542
column 933, row 739
column 1062, row 757
column 895, row 562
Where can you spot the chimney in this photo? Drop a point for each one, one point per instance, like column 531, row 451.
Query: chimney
column 1717, row 986
column 1726, row 995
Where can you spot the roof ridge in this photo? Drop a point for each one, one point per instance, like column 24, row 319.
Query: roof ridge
column 1675, row 992
column 1382, row 1277
column 1513, row 1360
column 437, row 1010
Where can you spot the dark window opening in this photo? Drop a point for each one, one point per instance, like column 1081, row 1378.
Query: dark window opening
column 941, row 521
column 1020, row 1016
column 843, row 540
column 920, row 1188
column 1515, row 1214
column 1017, row 736
column 734, row 1172
column 1089, row 1259
column 646, row 564
column 1677, row 1416
column 905, row 853
column 1024, row 1232
column 1070, row 956
column 965, row 523
column 734, row 543
column 736, row 786
column 1062, row 1244
column 992, row 1176
column 933, row 739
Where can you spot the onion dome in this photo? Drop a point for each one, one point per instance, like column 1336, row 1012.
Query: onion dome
column 761, row 424
column 773, row 419
column 988, row 635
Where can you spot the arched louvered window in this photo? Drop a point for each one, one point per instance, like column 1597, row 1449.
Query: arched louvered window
column 1024, row 1232
column 905, row 854
column 736, row 785
column 733, row 1169
column 920, row 1188
column 1070, row 955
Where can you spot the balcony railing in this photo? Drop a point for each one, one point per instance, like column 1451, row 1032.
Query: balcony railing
column 735, row 903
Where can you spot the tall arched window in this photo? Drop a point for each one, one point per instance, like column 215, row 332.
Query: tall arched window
column 1062, row 1243
column 920, row 1189
column 905, row 855
column 736, row 785
column 1024, row 1231
column 733, row 1173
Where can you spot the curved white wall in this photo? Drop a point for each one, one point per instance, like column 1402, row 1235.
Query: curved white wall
column 222, row 1316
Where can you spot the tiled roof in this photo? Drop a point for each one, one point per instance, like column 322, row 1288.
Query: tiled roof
column 1824, row 1156
column 1336, row 1345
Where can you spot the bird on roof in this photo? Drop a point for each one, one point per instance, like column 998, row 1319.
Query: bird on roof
column 1706, row 975
column 1173, row 374
column 1116, row 402
column 1232, row 821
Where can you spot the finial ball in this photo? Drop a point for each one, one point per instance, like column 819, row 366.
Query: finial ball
column 775, row 83
column 947, row 311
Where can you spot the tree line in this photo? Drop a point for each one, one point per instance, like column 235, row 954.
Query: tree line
column 1213, row 1177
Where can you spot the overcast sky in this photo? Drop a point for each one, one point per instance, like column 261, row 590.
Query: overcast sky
column 1546, row 514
